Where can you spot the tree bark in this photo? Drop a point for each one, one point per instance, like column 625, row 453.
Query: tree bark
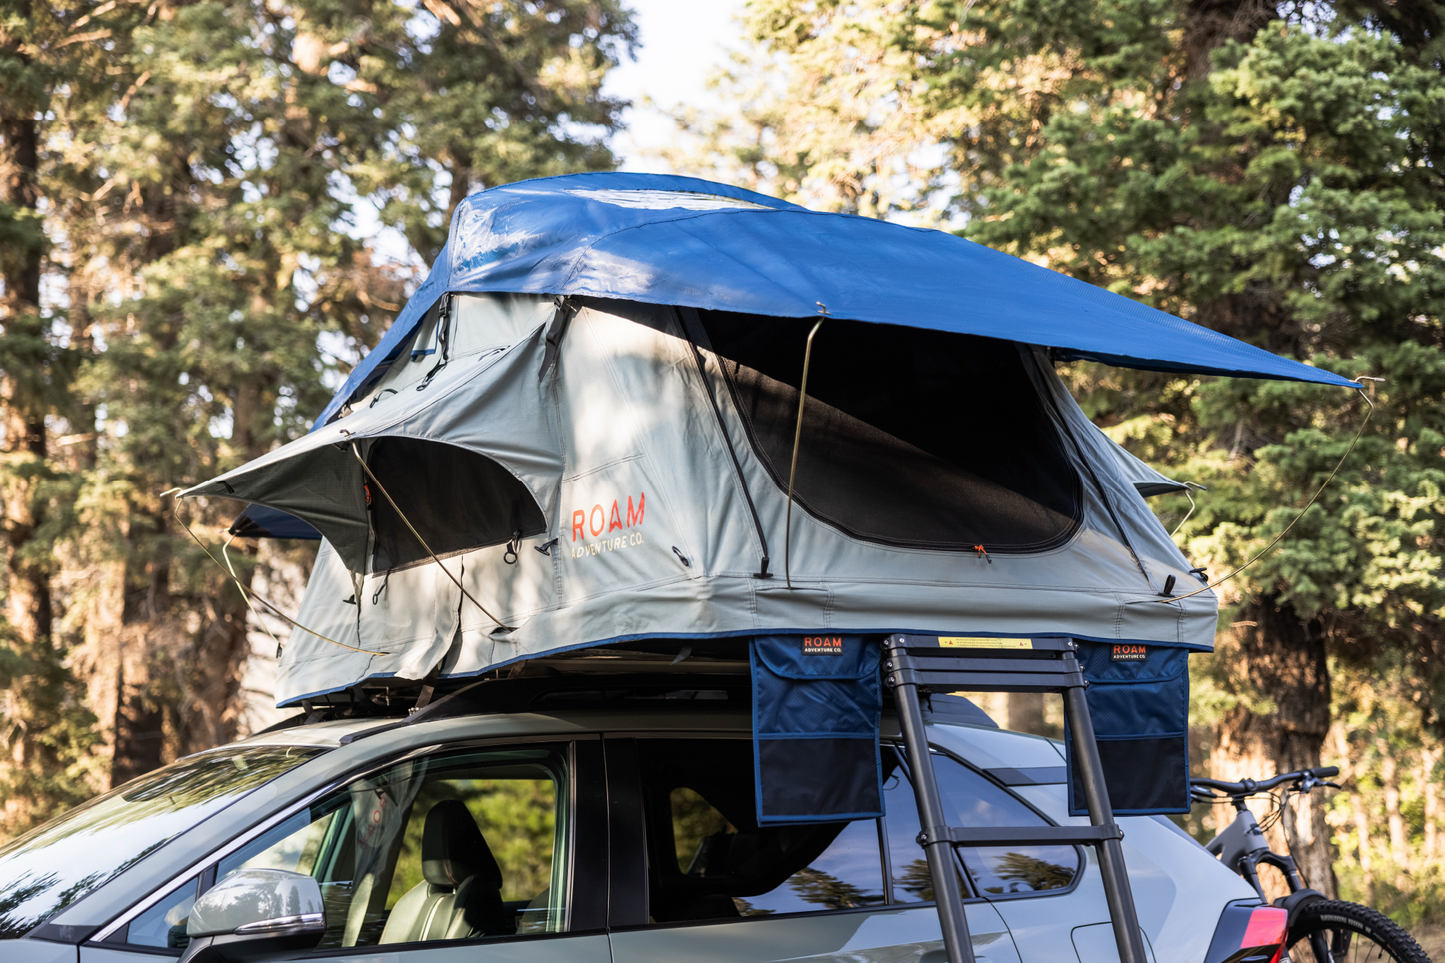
column 28, row 600
column 1362, row 833
column 1429, row 758
column 1277, row 669
column 1211, row 24
column 1389, row 778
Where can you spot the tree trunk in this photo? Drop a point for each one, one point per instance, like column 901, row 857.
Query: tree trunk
column 1389, row 778
column 1362, row 833
column 1276, row 667
column 1429, row 758
column 1211, row 24
column 1026, row 712
column 22, row 394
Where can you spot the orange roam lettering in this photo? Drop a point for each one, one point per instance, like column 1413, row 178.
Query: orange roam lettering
column 579, row 519
column 592, row 520
column 641, row 506
column 615, row 522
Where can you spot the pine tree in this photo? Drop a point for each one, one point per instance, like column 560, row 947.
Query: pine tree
column 1270, row 171
column 47, row 729
column 198, row 178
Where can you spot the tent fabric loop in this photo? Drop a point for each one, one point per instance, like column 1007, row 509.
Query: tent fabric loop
column 444, row 325
column 555, row 331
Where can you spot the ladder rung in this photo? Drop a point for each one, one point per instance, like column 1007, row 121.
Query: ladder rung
column 986, row 681
column 944, row 663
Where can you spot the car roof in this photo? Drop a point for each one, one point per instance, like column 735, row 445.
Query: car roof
column 624, row 701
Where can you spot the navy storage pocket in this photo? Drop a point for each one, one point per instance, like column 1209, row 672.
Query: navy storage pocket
column 1138, row 698
column 817, row 704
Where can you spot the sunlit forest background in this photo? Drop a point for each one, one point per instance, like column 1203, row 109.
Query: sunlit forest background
column 191, row 195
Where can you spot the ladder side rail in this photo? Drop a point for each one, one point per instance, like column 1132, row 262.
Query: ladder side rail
column 1117, row 892
column 939, row 848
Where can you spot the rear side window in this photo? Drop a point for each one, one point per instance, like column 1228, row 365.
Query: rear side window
column 910, row 437
column 971, row 802
column 710, row 859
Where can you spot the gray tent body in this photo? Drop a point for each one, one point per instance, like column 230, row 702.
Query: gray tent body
column 636, row 455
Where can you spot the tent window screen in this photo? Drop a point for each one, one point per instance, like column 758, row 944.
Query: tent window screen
column 457, row 499
column 910, row 437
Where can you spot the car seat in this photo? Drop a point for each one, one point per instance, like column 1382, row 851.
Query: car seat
column 460, row 893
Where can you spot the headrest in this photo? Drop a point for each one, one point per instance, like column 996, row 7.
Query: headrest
column 453, row 848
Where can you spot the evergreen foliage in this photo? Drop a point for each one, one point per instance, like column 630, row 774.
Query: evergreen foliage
column 1270, row 171
column 189, row 191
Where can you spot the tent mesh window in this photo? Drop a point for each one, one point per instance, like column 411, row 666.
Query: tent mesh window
column 457, row 499
column 915, row 438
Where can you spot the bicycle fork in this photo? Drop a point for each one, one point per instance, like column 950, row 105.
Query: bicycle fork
column 1242, row 847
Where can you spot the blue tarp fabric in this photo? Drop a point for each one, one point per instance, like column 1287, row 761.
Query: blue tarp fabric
column 817, row 706
column 694, row 243
column 1139, row 704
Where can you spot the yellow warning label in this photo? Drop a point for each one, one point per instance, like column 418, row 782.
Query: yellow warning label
column 955, row 642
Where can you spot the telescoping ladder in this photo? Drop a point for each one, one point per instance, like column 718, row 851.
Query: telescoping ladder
column 915, row 664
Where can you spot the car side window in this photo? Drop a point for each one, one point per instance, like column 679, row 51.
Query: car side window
column 972, row 801
column 711, row 860
column 449, row 847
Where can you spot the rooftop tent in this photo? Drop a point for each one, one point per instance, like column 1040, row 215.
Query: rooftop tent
column 587, row 413
column 634, row 484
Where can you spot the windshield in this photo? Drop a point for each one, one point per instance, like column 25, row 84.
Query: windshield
column 51, row 867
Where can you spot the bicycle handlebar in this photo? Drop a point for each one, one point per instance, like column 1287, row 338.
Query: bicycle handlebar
column 1249, row 786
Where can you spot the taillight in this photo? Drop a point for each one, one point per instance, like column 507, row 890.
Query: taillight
column 1249, row 934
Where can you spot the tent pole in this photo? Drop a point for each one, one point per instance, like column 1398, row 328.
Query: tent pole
column 942, row 864
column 1117, row 892
column 793, row 471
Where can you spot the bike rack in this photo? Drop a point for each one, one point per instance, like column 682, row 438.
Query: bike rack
column 915, row 664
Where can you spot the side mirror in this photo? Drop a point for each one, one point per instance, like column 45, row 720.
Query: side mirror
column 255, row 915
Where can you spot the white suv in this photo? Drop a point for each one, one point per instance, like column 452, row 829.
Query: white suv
column 615, row 821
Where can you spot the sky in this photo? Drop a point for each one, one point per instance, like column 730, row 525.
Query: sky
column 682, row 42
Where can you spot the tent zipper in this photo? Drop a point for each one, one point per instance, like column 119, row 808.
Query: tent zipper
column 690, row 314
column 560, row 319
column 444, row 340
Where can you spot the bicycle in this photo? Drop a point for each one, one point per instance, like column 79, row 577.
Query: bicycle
column 1318, row 929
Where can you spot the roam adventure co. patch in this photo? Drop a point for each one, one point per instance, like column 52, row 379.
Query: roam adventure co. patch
column 600, row 524
column 822, row 645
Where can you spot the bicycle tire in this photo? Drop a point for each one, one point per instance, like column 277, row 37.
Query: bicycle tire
column 1351, row 933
